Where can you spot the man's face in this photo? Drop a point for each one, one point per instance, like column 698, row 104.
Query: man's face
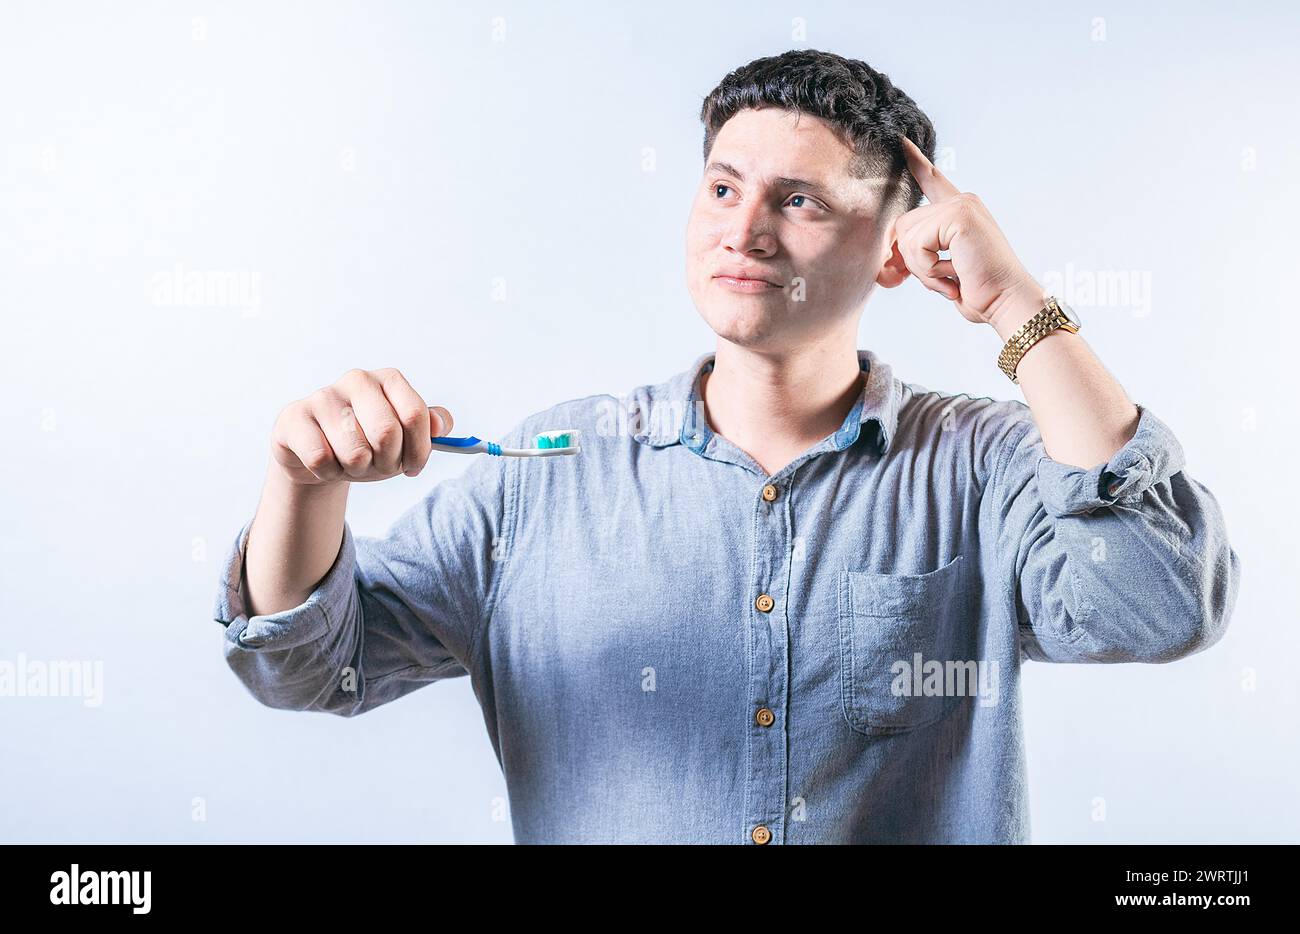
column 776, row 202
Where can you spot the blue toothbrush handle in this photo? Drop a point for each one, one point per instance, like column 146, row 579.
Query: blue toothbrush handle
column 468, row 445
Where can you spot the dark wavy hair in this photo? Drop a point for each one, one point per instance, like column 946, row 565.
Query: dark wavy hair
column 870, row 113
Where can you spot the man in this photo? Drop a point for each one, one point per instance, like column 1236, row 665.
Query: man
column 782, row 596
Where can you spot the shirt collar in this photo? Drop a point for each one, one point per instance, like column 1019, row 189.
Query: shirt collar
column 671, row 412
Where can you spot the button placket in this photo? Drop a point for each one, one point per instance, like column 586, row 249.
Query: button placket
column 769, row 643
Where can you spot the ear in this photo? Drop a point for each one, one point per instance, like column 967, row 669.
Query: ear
column 893, row 272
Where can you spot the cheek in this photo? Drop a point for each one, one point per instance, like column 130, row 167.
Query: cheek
column 700, row 235
column 702, row 241
column 839, row 262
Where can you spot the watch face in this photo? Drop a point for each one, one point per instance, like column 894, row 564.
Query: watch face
column 1069, row 313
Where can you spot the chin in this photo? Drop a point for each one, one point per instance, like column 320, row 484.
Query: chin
column 744, row 323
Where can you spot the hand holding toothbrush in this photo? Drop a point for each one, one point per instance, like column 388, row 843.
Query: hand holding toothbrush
column 371, row 425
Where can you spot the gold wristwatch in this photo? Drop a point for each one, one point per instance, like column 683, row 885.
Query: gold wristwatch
column 1055, row 314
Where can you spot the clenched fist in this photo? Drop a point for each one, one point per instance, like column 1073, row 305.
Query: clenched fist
column 369, row 425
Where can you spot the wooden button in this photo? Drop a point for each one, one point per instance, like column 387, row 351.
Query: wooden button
column 761, row 835
column 764, row 603
column 769, row 492
column 765, row 717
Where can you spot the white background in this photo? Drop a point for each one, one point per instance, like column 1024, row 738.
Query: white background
column 379, row 169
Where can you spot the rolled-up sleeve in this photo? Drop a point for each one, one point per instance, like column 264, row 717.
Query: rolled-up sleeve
column 393, row 613
column 1128, row 561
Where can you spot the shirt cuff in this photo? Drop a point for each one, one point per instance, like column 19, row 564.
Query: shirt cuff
column 1151, row 456
column 289, row 628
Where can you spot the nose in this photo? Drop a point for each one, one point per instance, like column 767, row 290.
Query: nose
column 749, row 230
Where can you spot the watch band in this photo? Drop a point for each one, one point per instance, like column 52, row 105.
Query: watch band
column 1031, row 332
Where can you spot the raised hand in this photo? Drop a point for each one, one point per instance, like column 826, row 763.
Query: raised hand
column 983, row 276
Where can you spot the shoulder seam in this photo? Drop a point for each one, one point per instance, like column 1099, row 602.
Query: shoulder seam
column 918, row 389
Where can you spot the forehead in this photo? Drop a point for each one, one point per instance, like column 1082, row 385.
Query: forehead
column 772, row 140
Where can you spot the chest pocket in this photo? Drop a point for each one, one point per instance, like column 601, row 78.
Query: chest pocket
column 885, row 622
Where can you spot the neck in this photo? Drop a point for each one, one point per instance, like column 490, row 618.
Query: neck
column 774, row 406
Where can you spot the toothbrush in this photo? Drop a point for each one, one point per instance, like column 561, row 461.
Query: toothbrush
column 549, row 444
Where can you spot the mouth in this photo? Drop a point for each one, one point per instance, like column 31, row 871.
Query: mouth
column 742, row 284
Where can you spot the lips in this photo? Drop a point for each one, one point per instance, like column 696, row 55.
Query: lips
column 748, row 275
column 746, row 286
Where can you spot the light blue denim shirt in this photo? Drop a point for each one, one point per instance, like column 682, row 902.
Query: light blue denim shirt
column 669, row 645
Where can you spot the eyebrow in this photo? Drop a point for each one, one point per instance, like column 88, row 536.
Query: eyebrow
column 727, row 168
